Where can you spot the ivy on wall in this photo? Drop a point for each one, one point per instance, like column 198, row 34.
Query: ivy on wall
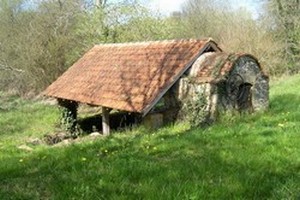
column 68, row 119
column 194, row 109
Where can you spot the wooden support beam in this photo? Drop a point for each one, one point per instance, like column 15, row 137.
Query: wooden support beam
column 105, row 121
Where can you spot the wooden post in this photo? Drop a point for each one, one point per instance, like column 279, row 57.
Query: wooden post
column 105, row 121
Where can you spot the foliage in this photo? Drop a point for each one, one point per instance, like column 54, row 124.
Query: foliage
column 41, row 39
column 40, row 42
column 286, row 22
column 69, row 122
column 195, row 109
column 37, row 41
column 235, row 31
column 244, row 157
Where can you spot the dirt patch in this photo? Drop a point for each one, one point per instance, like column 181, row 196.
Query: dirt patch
column 52, row 139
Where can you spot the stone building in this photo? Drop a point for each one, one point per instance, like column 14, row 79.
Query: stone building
column 228, row 82
column 152, row 80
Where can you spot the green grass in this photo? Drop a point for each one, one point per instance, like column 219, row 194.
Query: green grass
column 242, row 157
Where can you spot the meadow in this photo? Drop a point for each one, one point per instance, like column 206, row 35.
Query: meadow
column 254, row 156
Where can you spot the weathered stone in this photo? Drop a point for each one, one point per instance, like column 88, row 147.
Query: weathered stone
column 63, row 143
column 34, row 141
column 261, row 93
column 55, row 138
column 153, row 120
column 95, row 134
column 228, row 82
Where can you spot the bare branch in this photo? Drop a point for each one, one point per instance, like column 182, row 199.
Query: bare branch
column 100, row 3
column 9, row 68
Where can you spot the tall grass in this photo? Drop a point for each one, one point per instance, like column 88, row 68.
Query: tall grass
column 241, row 157
column 21, row 119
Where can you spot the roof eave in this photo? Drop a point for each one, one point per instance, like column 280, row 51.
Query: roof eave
column 209, row 44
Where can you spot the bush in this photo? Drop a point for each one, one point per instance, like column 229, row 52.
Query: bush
column 195, row 110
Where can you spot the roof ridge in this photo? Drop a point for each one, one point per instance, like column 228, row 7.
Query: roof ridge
column 155, row 42
column 148, row 69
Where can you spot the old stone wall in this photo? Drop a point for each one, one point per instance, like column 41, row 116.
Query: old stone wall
column 187, row 89
column 237, row 83
column 248, row 71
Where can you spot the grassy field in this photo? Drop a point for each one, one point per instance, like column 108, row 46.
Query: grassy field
column 243, row 157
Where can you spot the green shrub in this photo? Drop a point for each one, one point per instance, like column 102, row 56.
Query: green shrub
column 195, row 110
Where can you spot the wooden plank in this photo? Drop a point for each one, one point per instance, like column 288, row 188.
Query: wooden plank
column 105, row 121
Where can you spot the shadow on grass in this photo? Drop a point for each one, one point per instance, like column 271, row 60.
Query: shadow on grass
column 186, row 165
column 183, row 166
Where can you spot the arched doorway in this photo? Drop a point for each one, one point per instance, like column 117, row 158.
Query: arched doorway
column 244, row 97
column 239, row 93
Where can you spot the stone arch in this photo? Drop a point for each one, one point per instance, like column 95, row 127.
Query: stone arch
column 253, row 88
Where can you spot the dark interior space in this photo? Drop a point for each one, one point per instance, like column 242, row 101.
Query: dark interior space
column 244, row 100
column 118, row 121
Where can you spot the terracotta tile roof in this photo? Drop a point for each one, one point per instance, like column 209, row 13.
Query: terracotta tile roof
column 214, row 66
column 130, row 76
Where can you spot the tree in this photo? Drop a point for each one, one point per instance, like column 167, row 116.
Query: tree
column 11, row 22
column 37, row 40
column 233, row 30
column 41, row 39
column 100, row 3
column 286, row 15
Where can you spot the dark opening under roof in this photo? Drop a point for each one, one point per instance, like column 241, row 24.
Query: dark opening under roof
column 130, row 76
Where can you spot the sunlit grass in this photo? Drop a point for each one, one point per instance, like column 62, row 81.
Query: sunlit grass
column 241, row 157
